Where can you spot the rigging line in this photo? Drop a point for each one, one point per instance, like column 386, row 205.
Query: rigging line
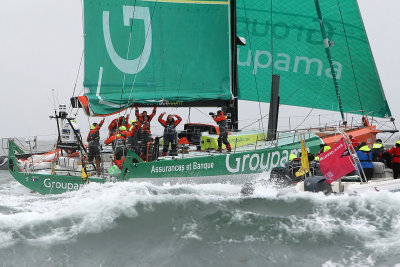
column 351, row 60
column 251, row 56
column 76, row 79
column 257, row 121
column 312, row 109
column 206, row 115
column 140, row 57
column 282, row 103
column 127, row 55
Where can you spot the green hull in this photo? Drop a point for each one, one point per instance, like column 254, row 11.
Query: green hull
column 209, row 165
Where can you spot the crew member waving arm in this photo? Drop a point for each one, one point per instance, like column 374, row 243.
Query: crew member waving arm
column 170, row 134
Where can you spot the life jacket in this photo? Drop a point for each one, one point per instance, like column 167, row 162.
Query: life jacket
column 118, row 142
column 222, row 122
column 94, row 138
column 376, row 150
column 132, row 136
column 170, row 131
column 365, row 158
column 327, row 148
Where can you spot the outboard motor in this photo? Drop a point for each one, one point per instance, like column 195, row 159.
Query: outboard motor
column 317, row 184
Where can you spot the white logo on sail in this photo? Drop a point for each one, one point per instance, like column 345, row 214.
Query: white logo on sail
column 129, row 66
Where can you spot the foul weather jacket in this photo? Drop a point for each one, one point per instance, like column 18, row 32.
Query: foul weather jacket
column 94, row 134
column 115, row 123
column 395, row 152
column 147, row 118
column 169, row 127
column 222, row 122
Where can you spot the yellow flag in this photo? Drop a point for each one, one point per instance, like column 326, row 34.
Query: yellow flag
column 84, row 174
column 305, row 166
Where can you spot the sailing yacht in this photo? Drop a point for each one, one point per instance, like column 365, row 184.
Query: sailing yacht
column 195, row 53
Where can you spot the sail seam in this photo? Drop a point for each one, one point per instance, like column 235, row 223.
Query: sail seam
column 351, row 59
column 140, row 57
column 251, row 51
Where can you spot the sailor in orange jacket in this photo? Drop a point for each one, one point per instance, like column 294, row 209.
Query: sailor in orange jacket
column 93, row 139
column 143, row 117
column 170, row 135
column 118, row 144
column 222, row 122
column 116, row 123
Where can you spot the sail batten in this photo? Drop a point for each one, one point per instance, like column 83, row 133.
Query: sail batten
column 156, row 52
column 299, row 56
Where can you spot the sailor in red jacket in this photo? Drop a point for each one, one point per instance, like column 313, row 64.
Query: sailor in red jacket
column 170, row 135
column 143, row 117
column 118, row 144
column 354, row 142
column 116, row 123
column 222, row 122
column 395, row 152
column 93, row 139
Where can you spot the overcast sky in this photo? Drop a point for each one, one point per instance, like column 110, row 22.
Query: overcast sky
column 42, row 42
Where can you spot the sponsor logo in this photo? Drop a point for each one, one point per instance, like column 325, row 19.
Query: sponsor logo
column 129, row 66
column 284, row 62
column 256, row 162
column 61, row 185
column 183, row 167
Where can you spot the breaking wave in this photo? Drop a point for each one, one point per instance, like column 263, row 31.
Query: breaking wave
column 125, row 224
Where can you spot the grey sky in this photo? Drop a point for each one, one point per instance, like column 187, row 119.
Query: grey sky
column 41, row 47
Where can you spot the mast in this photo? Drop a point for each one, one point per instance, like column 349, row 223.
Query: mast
column 233, row 108
column 328, row 44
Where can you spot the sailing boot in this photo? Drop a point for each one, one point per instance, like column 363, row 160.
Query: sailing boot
column 164, row 154
column 219, row 150
column 228, row 147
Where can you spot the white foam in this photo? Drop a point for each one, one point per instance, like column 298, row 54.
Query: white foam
column 57, row 218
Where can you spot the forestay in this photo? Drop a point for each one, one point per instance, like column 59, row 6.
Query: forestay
column 298, row 55
column 155, row 52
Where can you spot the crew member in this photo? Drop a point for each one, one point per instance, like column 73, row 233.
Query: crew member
column 123, row 130
column 143, row 117
column 354, row 142
column 364, row 154
column 365, row 121
column 323, row 149
column 377, row 150
column 222, row 122
column 93, row 139
column 116, row 123
column 132, row 136
column 395, row 152
column 170, row 135
column 118, row 145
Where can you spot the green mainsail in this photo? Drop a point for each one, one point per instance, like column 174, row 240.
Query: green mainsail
column 155, row 51
column 298, row 55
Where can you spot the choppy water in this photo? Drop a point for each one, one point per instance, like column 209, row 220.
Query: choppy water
column 140, row 224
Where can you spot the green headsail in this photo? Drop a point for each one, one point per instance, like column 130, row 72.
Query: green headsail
column 298, row 55
column 155, row 51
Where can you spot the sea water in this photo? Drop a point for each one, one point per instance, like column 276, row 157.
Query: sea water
column 141, row 224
